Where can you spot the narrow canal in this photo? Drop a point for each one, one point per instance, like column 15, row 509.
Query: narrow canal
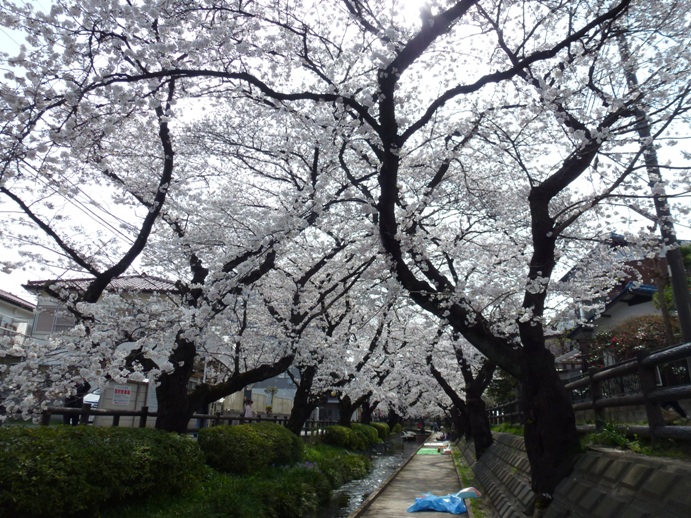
column 350, row 496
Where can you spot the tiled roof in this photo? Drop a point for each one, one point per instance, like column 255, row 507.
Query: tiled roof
column 140, row 283
column 13, row 299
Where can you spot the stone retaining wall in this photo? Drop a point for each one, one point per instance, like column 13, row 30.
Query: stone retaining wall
column 604, row 483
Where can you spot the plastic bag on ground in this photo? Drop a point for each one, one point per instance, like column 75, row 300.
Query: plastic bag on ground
column 446, row 504
column 468, row 492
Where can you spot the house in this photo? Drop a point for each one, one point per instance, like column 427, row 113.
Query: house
column 52, row 317
column 632, row 299
column 16, row 317
column 630, row 321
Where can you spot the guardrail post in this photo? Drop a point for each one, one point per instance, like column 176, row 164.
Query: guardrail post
column 143, row 416
column 595, row 395
column 84, row 414
column 45, row 418
column 116, row 420
column 648, row 384
column 217, row 419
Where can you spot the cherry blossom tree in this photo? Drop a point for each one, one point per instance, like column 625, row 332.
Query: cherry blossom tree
column 477, row 374
column 477, row 143
column 252, row 214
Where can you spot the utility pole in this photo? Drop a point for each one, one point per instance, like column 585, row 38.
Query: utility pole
column 670, row 243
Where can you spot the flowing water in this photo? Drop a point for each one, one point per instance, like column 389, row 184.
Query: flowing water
column 350, row 496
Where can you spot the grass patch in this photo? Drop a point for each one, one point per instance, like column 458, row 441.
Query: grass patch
column 468, row 480
column 514, row 429
column 612, row 437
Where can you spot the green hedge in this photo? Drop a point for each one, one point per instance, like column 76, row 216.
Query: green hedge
column 383, row 430
column 370, row 433
column 339, row 466
column 280, row 492
column 66, row 471
column 359, row 437
column 249, row 448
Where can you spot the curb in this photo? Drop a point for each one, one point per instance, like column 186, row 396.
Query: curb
column 373, row 496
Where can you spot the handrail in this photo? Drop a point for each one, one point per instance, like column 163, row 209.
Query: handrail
column 650, row 395
column 85, row 412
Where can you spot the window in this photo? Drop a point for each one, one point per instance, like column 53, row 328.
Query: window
column 52, row 319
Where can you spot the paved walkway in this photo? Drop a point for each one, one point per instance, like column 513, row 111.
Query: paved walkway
column 422, row 474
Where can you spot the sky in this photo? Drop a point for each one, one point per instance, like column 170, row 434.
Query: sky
column 11, row 281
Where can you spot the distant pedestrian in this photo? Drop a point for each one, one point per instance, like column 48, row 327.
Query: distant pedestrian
column 249, row 413
column 76, row 401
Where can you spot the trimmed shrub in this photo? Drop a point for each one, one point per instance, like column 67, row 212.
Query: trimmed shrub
column 397, row 429
column 280, row 492
column 339, row 466
column 249, row 448
column 286, row 447
column 383, row 430
column 337, row 435
column 370, row 434
column 67, row 471
column 234, row 449
column 344, row 437
column 359, row 437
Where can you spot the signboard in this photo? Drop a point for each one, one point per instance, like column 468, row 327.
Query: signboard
column 121, row 395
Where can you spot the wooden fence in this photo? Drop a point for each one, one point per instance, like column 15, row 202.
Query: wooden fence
column 311, row 427
column 626, row 384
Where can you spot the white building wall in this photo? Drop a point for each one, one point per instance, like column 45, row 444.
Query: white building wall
column 622, row 312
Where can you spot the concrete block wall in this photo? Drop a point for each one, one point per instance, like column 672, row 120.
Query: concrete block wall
column 503, row 471
column 604, row 484
column 611, row 483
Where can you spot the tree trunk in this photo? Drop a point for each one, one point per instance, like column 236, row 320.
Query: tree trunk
column 550, row 425
column 661, row 285
column 460, row 423
column 303, row 405
column 174, row 407
column 346, row 409
column 470, row 416
column 475, row 406
column 392, row 419
column 367, row 411
column 478, row 421
column 299, row 416
column 174, row 412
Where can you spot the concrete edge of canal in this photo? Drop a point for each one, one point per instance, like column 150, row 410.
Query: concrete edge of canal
column 374, row 494
column 456, row 481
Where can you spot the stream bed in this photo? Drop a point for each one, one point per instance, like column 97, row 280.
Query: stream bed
column 350, row 496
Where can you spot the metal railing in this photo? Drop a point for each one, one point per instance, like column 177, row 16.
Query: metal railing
column 629, row 383
column 86, row 412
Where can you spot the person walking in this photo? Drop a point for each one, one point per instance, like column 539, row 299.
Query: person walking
column 76, row 401
column 249, row 413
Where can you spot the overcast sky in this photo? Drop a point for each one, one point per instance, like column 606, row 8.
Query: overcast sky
column 12, row 281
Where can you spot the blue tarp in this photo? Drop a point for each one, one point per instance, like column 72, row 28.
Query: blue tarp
column 447, row 504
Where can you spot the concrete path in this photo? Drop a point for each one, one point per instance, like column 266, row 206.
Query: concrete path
column 423, row 474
